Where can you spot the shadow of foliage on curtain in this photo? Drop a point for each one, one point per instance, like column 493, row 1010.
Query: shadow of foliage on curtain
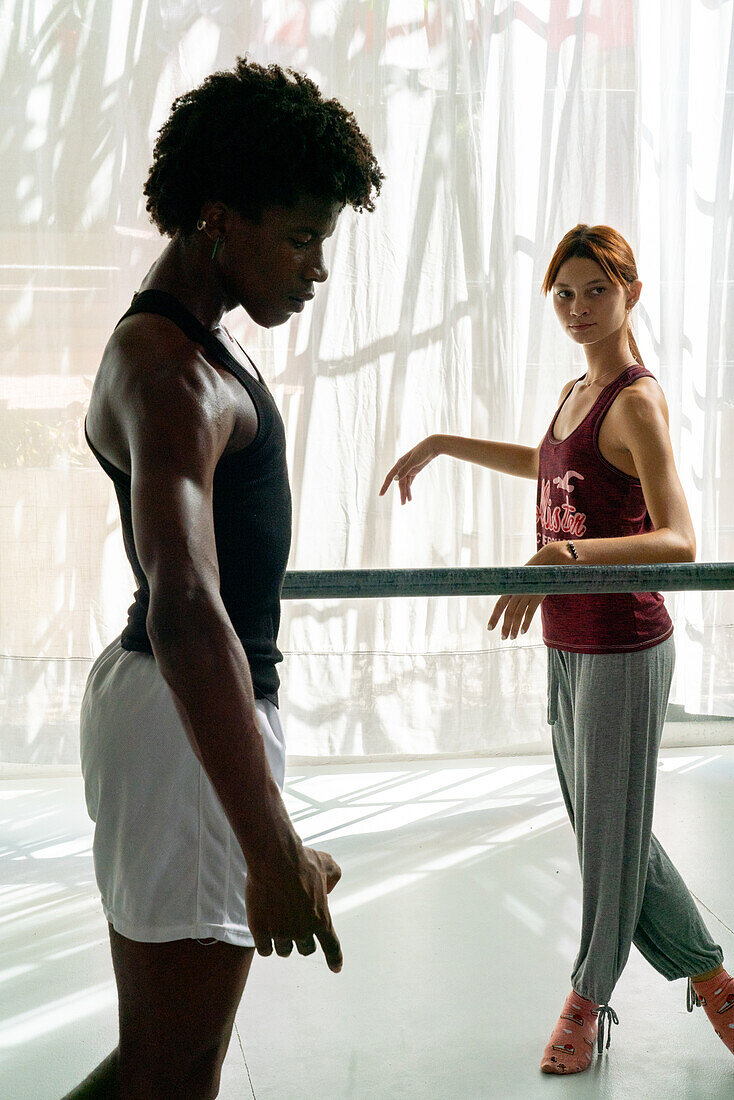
column 499, row 125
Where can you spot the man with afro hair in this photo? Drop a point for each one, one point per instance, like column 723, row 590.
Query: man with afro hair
column 183, row 754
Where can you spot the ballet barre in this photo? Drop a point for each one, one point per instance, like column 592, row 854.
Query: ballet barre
column 330, row 584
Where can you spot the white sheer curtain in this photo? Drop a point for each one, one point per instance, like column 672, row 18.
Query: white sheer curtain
column 499, row 125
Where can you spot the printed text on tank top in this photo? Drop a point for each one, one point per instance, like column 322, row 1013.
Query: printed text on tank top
column 561, row 520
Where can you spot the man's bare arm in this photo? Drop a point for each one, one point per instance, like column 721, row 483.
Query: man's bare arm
column 178, row 423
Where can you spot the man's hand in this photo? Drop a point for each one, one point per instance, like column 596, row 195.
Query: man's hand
column 290, row 906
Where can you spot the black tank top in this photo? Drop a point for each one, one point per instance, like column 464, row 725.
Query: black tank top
column 252, row 515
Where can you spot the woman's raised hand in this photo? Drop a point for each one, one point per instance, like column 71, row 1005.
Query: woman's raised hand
column 409, row 465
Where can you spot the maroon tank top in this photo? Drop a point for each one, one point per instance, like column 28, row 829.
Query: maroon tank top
column 582, row 496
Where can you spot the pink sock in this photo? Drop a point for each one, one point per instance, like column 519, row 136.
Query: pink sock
column 571, row 1046
column 717, row 998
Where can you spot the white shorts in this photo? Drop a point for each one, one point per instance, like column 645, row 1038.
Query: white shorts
column 167, row 863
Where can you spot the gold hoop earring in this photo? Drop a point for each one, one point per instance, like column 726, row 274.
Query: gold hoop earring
column 217, row 243
column 201, row 224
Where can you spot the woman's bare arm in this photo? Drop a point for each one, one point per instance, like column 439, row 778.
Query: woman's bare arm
column 508, row 458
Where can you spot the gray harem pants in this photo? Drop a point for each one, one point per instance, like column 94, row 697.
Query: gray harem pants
column 607, row 712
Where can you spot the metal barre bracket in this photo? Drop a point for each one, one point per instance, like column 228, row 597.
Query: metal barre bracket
column 330, row 584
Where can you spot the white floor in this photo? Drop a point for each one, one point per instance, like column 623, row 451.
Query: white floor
column 458, row 915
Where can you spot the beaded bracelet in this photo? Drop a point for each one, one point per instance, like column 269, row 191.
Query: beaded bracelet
column 572, row 548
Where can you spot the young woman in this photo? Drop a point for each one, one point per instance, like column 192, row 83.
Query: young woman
column 608, row 493
column 182, row 749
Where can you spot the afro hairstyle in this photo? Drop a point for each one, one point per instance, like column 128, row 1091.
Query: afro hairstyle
column 253, row 137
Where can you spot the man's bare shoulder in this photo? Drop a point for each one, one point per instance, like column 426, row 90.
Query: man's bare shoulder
column 147, row 349
column 155, row 383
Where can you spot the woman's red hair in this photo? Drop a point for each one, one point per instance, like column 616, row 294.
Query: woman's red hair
column 606, row 247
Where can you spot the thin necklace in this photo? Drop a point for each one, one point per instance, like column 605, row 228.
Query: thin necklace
column 596, row 382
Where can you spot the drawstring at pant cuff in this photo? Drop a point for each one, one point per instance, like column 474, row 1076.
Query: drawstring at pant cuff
column 607, row 1017
column 692, row 998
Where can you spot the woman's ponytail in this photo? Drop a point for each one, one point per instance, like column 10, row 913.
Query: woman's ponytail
column 633, row 345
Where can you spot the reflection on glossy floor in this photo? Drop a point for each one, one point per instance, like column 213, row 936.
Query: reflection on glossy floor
column 458, row 914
